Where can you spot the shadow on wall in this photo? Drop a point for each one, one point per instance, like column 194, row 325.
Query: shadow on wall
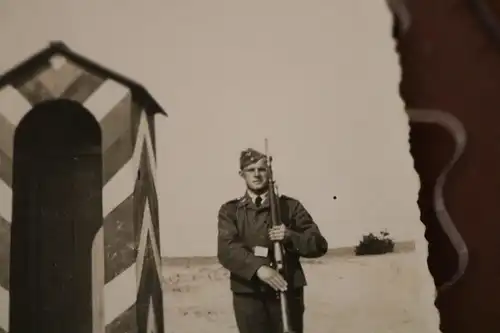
column 450, row 65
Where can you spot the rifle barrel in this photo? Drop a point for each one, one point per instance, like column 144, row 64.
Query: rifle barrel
column 278, row 250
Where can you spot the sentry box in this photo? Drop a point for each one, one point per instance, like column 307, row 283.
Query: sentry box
column 79, row 229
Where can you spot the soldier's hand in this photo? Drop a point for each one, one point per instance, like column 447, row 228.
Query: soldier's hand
column 270, row 276
column 278, row 233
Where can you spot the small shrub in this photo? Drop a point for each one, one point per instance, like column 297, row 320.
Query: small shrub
column 373, row 244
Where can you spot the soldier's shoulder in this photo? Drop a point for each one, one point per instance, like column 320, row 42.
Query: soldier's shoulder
column 288, row 198
column 233, row 203
column 290, row 201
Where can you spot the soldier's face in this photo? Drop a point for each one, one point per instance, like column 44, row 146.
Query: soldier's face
column 255, row 175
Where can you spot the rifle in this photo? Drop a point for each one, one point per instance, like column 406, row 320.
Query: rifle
column 279, row 251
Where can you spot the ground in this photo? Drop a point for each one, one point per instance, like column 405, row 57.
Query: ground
column 346, row 294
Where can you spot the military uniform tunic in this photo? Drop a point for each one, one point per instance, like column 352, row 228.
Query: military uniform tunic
column 242, row 227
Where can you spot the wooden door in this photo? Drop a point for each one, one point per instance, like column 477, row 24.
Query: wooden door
column 57, row 211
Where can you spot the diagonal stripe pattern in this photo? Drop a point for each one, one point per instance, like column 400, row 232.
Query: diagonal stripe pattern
column 137, row 180
column 129, row 193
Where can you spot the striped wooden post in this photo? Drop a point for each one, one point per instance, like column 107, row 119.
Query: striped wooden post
column 126, row 282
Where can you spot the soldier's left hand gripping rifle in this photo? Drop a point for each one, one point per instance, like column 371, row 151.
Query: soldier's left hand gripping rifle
column 278, row 250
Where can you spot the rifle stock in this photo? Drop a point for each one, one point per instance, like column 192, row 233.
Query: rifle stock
column 278, row 250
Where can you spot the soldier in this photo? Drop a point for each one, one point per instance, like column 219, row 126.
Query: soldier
column 245, row 249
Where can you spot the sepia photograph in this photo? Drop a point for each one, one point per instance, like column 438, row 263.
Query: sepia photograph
column 216, row 166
